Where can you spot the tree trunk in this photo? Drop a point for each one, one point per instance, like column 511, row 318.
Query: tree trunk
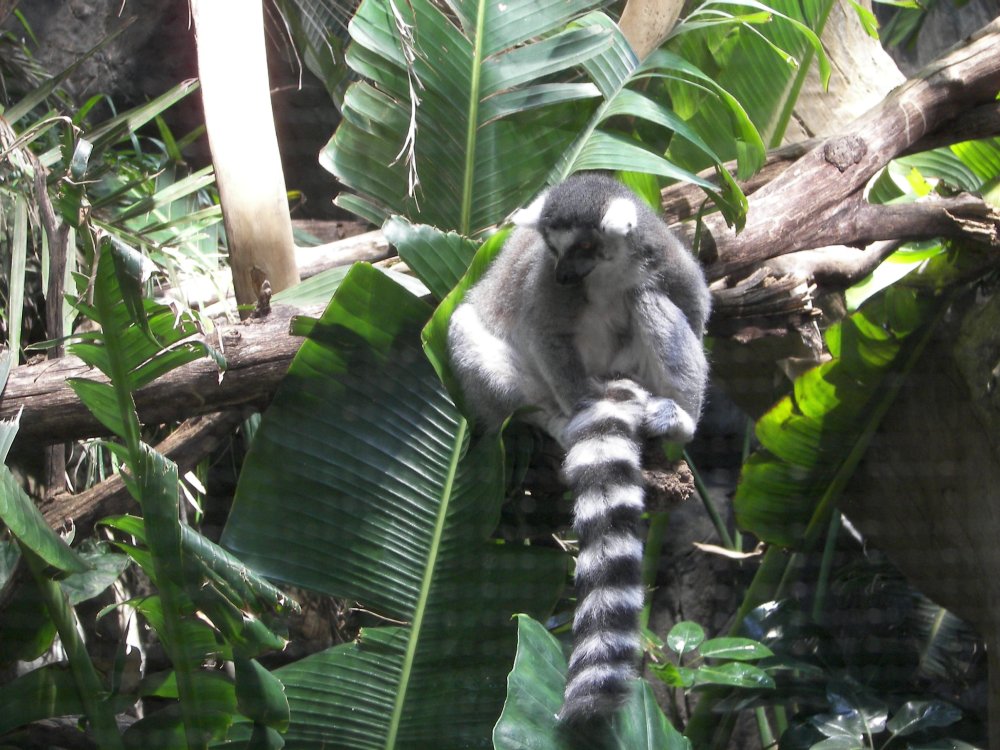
column 862, row 75
column 646, row 23
column 233, row 72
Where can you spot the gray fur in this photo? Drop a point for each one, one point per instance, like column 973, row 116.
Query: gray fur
column 592, row 313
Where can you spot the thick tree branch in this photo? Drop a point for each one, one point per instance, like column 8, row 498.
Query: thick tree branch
column 834, row 267
column 970, row 125
column 962, row 216
column 857, row 222
column 257, row 354
column 682, row 201
column 804, row 207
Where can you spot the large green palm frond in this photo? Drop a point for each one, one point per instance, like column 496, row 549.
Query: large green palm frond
column 463, row 98
column 633, row 91
column 465, row 112
column 763, row 66
column 362, row 483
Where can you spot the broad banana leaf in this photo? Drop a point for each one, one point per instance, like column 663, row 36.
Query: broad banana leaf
column 462, row 99
column 362, row 482
column 812, row 440
column 534, row 697
column 456, row 125
column 763, row 67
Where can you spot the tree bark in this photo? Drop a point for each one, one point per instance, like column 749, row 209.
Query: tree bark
column 818, row 200
column 257, row 353
column 683, row 201
column 862, row 74
column 646, row 23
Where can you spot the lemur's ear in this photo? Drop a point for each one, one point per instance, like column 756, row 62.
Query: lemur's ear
column 530, row 215
column 620, row 218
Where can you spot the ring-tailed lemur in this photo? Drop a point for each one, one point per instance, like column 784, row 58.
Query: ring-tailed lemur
column 592, row 315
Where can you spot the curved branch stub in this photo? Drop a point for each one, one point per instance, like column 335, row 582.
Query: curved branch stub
column 844, row 152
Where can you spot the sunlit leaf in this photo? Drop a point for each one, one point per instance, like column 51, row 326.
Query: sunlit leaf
column 812, row 439
column 685, row 637
column 742, row 649
column 733, row 674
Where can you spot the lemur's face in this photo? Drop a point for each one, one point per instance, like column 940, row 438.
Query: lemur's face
column 581, row 236
column 576, row 252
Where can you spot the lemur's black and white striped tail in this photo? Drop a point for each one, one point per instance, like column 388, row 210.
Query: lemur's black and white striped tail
column 603, row 468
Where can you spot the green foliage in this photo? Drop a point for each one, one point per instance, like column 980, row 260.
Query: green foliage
column 490, row 109
column 763, row 68
column 240, row 604
column 363, row 450
column 41, row 608
column 105, row 196
column 136, row 343
column 870, row 726
column 622, row 80
column 484, row 122
column 865, row 700
column 80, row 178
column 43, row 693
column 685, row 666
column 534, row 697
column 438, row 259
column 364, row 480
column 139, row 341
column 535, row 690
column 906, row 20
column 25, row 522
column 812, row 439
column 318, row 31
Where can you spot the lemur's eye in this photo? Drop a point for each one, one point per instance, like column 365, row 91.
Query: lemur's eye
column 585, row 245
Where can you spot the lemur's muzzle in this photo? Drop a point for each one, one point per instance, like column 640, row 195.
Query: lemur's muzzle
column 572, row 268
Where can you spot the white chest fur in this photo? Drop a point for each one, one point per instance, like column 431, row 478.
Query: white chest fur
column 603, row 338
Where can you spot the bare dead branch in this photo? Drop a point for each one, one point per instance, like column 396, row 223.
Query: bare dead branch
column 804, row 207
column 186, row 446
